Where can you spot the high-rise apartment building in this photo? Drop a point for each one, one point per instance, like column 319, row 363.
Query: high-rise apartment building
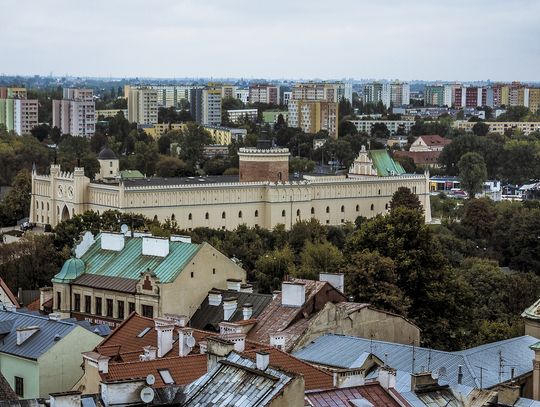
column 372, row 92
column 264, row 93
column 205, row 105
column 314, row 115
column 75, row 114
column 390, row 94
column 434, row 95
column 143, row 105
column 329, row 91
column 17, row 113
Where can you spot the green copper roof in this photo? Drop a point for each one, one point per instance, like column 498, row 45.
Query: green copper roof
column 71, row 269
column 536, row 346
column 130, row 262
column 384, row 164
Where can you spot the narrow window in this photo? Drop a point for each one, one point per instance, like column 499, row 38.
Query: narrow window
column 372, row 207
column 77, row 302
column 109, row 307
column 313, row 211
column 58, row 300
column 148, row 311
column 327, row 209
column 283, row 213
column 342, row 208
column 98, row 305
column 240, row 214
column 174, row 217
column 190, row 216
column 87, row 304
column 120, row 309
column 206, row 216
column 357, row 208
column 131, row 307
column 256, row 213
column 298, row 212
column 19, row 386
column 223, row 216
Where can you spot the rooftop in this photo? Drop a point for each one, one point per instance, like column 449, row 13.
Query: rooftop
column 384, row 164
column 435, row 140
column 372, row 392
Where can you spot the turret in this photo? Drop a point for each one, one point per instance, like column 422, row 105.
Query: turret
column 108, row 164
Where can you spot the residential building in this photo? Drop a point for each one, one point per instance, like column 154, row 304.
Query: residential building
column 158, row 129
column 41, row 355
column 228, row 91
column 422, row 159
column 264, row 93
column 313, row 116
column 17, row 113
column 205, row 105
column 224, row 136
column 107, row 113
column 429, row 143
column 394, row 126
column 75, row 113
column 500, row 127
column 369, row 394
column 237, row 115
column 390, row 94
column 13, row 93
column 327, row 91
column 287, row 96
column 115, row 274
column 434, row 95
column 271, row 117
column 242, row 95
column 143, row 106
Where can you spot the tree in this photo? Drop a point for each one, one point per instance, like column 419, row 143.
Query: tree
column 193, row 138
column 472, row 173
column 346, row 128
column 379, row 130
column 16, row 204
column 271, row 268
column 164, row 144
column 41, row 131
column 480, row 129
column 318, row 258
column 168, row 167
column 403, row 197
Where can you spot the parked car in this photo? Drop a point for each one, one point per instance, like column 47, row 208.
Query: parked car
column 27, row 226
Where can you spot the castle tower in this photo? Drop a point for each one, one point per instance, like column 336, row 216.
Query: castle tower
column 108, row 164
column 264, row 164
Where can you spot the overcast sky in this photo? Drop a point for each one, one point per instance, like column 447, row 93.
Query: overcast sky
column 414, row 39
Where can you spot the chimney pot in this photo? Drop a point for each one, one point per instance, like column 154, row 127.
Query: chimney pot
column 214, row 298
column 233, row 284
column 262, row 360
column 247, row 311
column 229, row 307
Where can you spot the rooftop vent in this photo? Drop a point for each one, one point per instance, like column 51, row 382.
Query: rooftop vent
column 24, row 333
column 155, row 246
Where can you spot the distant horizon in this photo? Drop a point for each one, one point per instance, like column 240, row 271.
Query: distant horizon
column 460, row 40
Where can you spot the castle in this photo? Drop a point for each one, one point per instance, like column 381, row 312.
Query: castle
column 263, row 194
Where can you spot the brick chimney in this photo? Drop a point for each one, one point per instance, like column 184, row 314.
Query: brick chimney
column 421, row 381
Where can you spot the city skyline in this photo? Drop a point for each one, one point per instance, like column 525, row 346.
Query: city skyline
column 168, row 39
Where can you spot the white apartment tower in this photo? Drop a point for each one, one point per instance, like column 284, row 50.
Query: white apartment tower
column 143, row 105
column 75, row 114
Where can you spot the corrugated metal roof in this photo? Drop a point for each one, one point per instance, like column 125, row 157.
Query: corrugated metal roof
column 384, row 164
column 343, row 351
column 125, row 285
column 130, row 262
column 37, row 344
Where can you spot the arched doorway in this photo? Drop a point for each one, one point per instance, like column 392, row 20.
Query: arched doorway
column 65, row 213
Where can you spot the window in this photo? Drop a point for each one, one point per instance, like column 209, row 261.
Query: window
column 190, row 216
column 313, row 211
column 148, row 311
column 166, row 376
column 131, row 307
column 213, row 271
column 87, row 304
column 357, row 208
column 385, row 206
column 174, row 217
column 99, row 302
column 372, row 207
column 256, row 213
column 379, row 191
column 19, row 386
column 327, row 209
column 192, row 274
column 283, row 213
column 77, row 302
column 240, row 214
column 109, row 307
column 223, row 216
column 206, row 216
column 342, row 208
column 144, row 331
column 120, row 309
column 58, row 300
column 298, row 212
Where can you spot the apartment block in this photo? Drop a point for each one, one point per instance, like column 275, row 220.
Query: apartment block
column 17, row 113
column 236, row 115
column 242, row 95
column 394, row 93
column 205, row 105
column 329, row 91
column 143, row 105
column 500, row 127
column 314, row 115
column 75, row 114
column 264, row 93
column 393, row 126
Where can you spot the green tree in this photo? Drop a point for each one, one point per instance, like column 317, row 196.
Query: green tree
column 16, row 203
column 403, row 197
column 472, row 173
column 271, row 268
column 168, row 167
column 193, row 138
column 318, row 258
column 480, row 129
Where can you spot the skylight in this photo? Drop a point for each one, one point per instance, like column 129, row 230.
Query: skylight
column 144, row 332
column 166, row 376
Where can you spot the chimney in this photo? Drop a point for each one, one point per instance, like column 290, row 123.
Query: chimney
column 10, row 307
column 24, row 333
column 164, row 329
column 247, row 310
column 508, row 394
column 181, row 238
column 293, row 294
column 460, row 375
column 112, row 241
column 217, row 349
column 178, row 320
column 65, row 399
column 246, row 288
column 337, row 280
column 262, row 359
column 155, row 246
column 96, row 360
column 421, row 381
column 186, row 341
column 387, row 377
column 229, row 307
column 149, row 353
column 121, row 392
column 214, row 298
column 275, row 293
column 536, row 371
column 233, row 284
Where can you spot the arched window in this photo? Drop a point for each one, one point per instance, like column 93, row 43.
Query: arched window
column 386, row 206
column 206, row 216
column 313, row 211
column 283, row 213
column 342, row 208
column 41, row 205
column 47, row 206
column 190, row 216
column 173, row 217
column 240, row 214
column 379, row 191
column 256, row 213
column 372, row 207
column 223, row 216
column 357, row 208
column 327, row 209
column 298, row 212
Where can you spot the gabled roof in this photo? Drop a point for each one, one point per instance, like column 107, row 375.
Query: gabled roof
column 209, row 316
column 341, row 351
column 435, row 140
column 48, row 334
column 384, row 164
column 294, row 320
column 130, row 262
column 9, row 293
column 6, row 392
column 372, row 392
column 421, row 157
column 236, row 381
column 533, row 312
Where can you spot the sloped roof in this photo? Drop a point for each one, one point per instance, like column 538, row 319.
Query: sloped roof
column 40, row 342
column 208, row 315
column 6, row 392
column 236, row 381
column 72, row 268
column 130, row 262
column 9, row 293
column 421, row 157
column 372, row 392
column 342, row 351
column 107, row 154
column 533, row 312
column 435, row 140
column 384, row 164
column 125, row 285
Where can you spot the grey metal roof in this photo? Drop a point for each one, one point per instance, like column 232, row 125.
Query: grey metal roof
column 237, row 382
column 522, row 402
column 209, row 316
column 125, row 285
column 343, row 351
column 45, row 338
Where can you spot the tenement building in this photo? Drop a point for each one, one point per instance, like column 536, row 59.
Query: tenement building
column 265, row 195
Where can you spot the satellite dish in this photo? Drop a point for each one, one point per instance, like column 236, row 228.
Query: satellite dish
column 150, row 379
column 190, row 341
column 124, row 228
column 147, row 395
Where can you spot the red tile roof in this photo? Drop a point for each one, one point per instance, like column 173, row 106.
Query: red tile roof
column 373, row 392
column 314, row 377
column 435, row 140
column 421, row 157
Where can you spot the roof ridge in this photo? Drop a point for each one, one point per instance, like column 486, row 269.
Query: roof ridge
column 41, row 317
column 165, row 358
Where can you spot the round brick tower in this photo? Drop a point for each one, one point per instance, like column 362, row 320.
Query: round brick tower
column 261, row 164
